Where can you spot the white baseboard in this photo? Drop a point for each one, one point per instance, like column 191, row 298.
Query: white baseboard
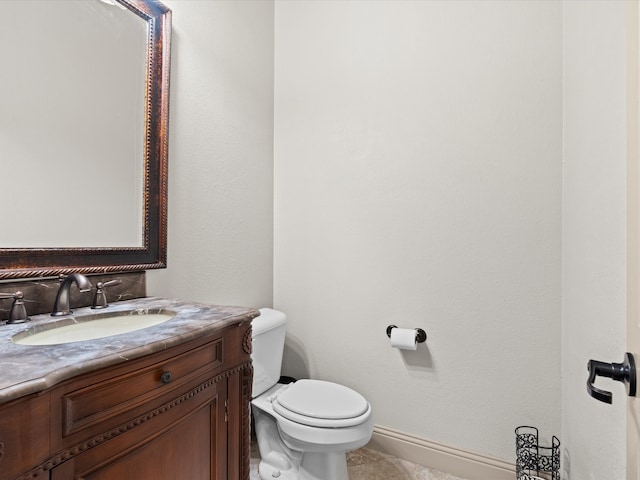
column 462, row 463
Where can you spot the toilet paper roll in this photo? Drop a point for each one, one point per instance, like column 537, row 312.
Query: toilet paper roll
column 403, row 338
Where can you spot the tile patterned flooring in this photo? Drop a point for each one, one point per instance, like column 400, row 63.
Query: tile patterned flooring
column 367, row 464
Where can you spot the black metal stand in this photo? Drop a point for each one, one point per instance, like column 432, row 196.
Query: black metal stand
column 534, row 461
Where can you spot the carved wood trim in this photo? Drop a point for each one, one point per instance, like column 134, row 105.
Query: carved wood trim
column 247, row 384
column 247, row 341
column 71, row 452
column 53, row 272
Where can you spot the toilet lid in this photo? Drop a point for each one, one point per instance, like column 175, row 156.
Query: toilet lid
column 320, row 400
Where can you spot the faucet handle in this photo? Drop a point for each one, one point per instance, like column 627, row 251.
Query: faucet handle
column 100, row 298
column 18, row 312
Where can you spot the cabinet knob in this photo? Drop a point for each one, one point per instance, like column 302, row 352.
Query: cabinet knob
column 166, row 377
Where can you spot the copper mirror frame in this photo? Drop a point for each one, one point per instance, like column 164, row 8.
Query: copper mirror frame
column 43, row 262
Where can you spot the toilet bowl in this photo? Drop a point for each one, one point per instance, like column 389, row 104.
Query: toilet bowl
column 305, row 428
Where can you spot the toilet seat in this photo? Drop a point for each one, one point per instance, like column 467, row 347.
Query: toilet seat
column 318, row 403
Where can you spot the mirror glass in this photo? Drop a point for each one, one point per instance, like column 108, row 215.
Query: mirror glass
column 83, row 135
column 72, row 91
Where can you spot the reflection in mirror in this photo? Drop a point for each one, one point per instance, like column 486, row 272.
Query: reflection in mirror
column 72, row 123
column 83, row 135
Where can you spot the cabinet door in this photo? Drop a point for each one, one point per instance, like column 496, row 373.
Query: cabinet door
column 24, row 435
column 189, row 443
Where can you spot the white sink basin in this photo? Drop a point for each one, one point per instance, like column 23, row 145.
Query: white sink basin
column 91, row 328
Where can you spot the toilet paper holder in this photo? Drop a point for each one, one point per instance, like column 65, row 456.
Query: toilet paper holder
column 421, row 335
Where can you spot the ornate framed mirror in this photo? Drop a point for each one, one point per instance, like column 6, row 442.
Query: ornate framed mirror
column 83, row 136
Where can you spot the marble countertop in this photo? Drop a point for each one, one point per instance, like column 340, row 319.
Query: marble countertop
column 26, row 369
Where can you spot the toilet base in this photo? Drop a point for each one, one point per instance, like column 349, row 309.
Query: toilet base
column 314, row 466
column 324, row 466
column 267, row 471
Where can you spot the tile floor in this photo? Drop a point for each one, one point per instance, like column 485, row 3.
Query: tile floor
column 367, row 464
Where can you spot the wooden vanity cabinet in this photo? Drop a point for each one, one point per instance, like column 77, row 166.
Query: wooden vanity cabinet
column 182, row 413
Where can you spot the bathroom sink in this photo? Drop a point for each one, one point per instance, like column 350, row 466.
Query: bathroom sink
column 90, row 327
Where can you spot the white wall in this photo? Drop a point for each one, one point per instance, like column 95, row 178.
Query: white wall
column 418, row 156
column 220, row 154
column 594, row 223
column 418, row 182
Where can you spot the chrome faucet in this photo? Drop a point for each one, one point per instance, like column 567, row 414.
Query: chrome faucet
column 61, row 307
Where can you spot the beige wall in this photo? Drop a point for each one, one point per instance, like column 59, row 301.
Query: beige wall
column 418, row 182
column 220, row 154
column 594, row 234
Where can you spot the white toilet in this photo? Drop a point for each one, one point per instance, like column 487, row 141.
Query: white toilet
column 304, row 429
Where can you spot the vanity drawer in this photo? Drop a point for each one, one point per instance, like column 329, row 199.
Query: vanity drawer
column 87, row 408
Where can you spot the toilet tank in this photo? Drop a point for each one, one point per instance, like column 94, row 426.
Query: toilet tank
column 269, row 330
